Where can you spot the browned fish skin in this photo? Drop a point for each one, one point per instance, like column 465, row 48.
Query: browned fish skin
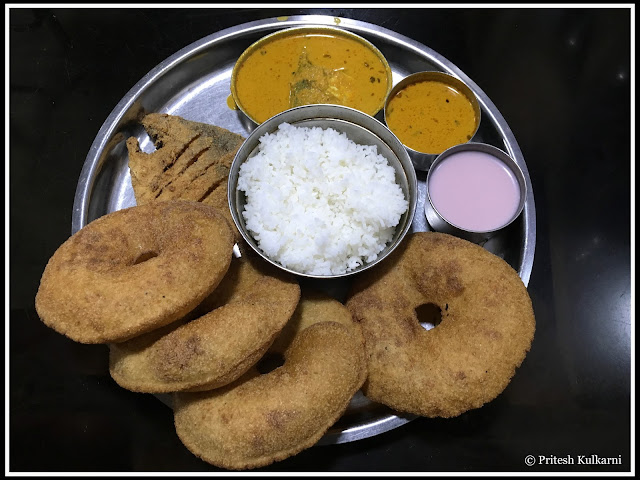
column 467, row 360
column 191, row 162
column 134, row 270
column 260, row 419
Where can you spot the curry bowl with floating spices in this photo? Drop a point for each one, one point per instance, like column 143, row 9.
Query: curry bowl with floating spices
column 310, row 65
column 430, row 112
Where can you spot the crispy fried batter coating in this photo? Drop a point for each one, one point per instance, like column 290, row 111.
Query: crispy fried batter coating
column 243, row 278
column 134, row 270
column 191, row 162
column 245, row 314
column 486, row 329
column 264, row 418
column 314, row 307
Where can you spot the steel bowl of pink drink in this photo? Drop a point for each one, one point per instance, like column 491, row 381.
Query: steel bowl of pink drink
column 473, row 191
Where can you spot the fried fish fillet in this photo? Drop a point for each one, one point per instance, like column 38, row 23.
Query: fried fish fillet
column 191, row 162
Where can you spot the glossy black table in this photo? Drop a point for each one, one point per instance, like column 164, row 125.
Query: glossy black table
column 561, row 79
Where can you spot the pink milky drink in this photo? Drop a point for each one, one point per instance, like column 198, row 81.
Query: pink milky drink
column 474, row 191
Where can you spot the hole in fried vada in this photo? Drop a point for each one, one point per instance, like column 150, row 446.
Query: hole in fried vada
column 270, row 362
column 429, row 315
column 143, row 257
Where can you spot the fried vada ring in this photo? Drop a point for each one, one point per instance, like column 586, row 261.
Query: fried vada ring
column 260, row 419
column 314, row 307
column 134, row 270
column 249, row 309
column 486, row 329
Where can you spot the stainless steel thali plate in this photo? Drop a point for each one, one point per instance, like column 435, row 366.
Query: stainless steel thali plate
column 194, row 83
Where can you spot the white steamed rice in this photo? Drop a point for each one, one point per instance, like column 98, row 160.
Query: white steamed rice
column 318, row 203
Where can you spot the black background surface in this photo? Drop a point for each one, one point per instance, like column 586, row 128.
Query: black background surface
column 561, row 79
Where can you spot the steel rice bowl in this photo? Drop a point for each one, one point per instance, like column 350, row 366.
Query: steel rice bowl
column 360, row 128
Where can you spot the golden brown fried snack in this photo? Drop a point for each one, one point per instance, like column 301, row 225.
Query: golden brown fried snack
column 468, row 359
column 191, row 162
column 249, row 310
column 243, row 278
column 134, row 270
column 314, row 307
column 260, row 419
